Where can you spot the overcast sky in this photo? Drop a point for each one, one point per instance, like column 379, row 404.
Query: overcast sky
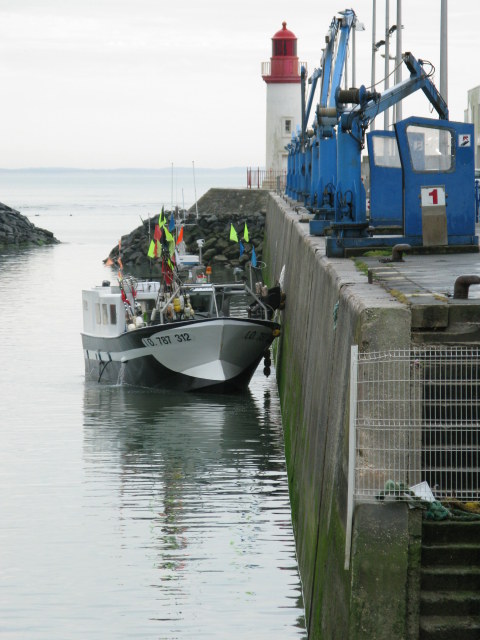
column 148, row 83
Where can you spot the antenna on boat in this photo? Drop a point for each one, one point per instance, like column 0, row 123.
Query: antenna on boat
column 195, row 188
column 171, row 191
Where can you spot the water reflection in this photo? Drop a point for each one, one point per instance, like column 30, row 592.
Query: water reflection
column 201, row 500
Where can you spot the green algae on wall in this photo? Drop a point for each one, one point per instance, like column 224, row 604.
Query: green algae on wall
column 329, row 307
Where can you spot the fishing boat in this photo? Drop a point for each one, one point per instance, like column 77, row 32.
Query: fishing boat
column 183, row 335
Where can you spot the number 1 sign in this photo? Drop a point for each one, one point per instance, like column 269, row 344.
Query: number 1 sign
column 433, row 196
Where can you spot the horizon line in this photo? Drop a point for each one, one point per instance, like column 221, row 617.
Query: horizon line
column 169, row 169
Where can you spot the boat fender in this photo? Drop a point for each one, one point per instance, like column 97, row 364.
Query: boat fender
column 264, row 291
column 139, row 321
column 258, row 288
column 131, row 327
column 154, row 315
column 169, row 311
column 182, row 302
column 176, row 305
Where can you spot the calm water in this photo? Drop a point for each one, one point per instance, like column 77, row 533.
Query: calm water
column 126, row 513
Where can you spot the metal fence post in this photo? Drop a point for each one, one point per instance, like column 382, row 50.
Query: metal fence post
column 351, row 452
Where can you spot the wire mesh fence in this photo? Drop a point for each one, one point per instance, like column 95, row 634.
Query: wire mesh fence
column 415, row 423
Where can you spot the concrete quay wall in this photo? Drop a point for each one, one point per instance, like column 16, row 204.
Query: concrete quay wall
column 329, row 307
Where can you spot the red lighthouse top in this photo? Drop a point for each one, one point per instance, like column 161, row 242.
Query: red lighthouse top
column 284, row 65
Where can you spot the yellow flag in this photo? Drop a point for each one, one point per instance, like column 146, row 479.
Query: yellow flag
column 245, row 233
column 151, row 249
column 233, row 233
column 168, row 235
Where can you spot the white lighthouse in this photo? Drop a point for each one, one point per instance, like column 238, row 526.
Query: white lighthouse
column 282, row 75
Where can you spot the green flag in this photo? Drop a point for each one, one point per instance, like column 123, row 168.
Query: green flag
column 245, row 233
column 233, row 233
column 151, row 249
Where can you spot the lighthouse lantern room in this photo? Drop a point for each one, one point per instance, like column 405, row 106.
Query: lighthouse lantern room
column 282, row 77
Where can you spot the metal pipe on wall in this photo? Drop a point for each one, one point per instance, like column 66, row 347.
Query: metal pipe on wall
column 386, row 119
column 444, row 51
column 398, row 59
column 374, row 38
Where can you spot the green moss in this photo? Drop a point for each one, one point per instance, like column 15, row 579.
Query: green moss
column 361, row 266
column 326, row 616
column 378, row 253
column 398, row 295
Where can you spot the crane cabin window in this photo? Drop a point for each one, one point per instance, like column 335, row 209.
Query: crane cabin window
column 431, row 149
column 287, row 126
column 385, row 152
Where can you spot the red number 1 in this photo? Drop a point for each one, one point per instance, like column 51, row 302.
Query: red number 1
column 434, row 195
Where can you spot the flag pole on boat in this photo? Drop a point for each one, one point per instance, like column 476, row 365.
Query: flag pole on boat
column 195, row 189
column 171, row 191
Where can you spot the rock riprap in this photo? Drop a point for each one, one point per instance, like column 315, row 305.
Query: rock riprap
column 218, row 209
column 16, row 230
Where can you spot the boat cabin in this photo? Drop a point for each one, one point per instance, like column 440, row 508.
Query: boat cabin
column 103, row 311
column 107, row 314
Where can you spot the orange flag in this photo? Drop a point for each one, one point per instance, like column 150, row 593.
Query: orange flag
column 180, row 236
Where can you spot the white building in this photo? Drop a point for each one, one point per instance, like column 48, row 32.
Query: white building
column 472, row 114
column 282, row 76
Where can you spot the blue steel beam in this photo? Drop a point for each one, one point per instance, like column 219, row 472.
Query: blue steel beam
column 369, row 104
column 345, row 29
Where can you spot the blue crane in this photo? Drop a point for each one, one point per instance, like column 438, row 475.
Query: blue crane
column 312, row 155
column 350, row 228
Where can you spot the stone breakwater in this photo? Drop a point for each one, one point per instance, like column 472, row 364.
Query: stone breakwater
column 17, row 231
column 218, row 209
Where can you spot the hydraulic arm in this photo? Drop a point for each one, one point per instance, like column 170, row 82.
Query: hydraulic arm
column 329, row 76
column 350, row 201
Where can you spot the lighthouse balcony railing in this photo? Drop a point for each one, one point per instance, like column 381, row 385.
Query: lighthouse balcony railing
column 267, row 68
column 269, row 179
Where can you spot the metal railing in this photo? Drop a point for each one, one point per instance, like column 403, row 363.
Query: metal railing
column 416, row 423
column 414, row 427
column 266, row 67
column 269, row 179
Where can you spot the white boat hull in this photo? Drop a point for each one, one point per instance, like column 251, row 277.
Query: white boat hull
column 216, row 353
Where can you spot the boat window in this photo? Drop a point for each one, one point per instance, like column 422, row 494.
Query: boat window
column 431, row 148
column 113, row 314
column 201, row 301
column 223, row 304
column 104, row 314
column 98, row 317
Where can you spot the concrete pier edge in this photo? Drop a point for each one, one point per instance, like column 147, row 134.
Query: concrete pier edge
column 330, row 306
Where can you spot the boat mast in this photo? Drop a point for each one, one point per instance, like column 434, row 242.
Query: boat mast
column 171, row 191
column 195, row 189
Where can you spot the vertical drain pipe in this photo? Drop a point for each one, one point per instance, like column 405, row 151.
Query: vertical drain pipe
column 351, row 452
